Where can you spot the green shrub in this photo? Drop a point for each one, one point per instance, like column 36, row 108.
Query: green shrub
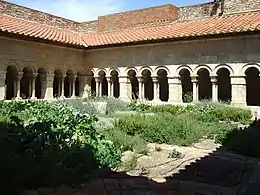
column 184, row 129
column 172, row 109
column 232, row 114
column 127, row 142
column 80, row 105
column 48, row 144
column 188, row 97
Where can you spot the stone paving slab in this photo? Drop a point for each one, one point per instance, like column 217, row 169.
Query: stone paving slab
column 138, row 186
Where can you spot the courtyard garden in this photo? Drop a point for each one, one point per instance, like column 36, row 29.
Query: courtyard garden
column 66, row 141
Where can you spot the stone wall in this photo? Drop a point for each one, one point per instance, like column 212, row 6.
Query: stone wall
column 241, row 5
column 217, row 51
column 36, row 55
column 140, row 17
column 198, row 11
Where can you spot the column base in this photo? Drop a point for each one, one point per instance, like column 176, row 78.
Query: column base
column 18, row 98
column 175, row 102
column 238, row 104
column 33, row 98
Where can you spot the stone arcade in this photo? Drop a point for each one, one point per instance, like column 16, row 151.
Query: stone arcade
column 160, row 53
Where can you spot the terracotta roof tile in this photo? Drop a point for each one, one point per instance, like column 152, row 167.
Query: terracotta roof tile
column 233, row 23
column 26, row 28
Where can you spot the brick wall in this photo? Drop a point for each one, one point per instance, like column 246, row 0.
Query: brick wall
column 159, row 15
column 142, row 17
column 241, row 5
column 44, row 18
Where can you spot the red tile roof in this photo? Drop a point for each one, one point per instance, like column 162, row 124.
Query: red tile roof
column 36, row 30
column 232, row 23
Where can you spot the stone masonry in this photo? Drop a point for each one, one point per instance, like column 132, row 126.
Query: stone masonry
column 151, row 71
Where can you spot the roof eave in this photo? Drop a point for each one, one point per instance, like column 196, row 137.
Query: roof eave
column 163, row 40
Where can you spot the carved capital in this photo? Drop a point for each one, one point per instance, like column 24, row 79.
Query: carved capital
column 194, row 79
column 19, row 76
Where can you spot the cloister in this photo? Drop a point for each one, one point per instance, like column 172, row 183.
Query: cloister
column 162, row 54
column 156, row 84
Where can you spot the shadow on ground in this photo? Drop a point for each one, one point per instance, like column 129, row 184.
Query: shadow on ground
column 221, row 172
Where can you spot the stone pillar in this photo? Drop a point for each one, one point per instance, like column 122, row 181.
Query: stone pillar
column 82, row 84
column 49, row 86
column 33, row 85
column 195, row 83
column 109, row 86
column 156, row 90
column 62, row 95
column 86, row 82
column 175, row 90
column 73, row 87
column 97, row 80
column 238, row 91
column 101, row 86
column 43, row 85
column 214, row 82
column 112, row 87
column 18, row 85
column 2, row 85
column 123, row 88
column 29, row 87
column 140, row 88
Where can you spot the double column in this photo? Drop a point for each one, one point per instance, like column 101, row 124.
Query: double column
column 195, row 83
column 156, row 90
column 140, row 88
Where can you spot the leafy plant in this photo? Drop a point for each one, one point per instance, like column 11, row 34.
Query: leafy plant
column 54, row 141
column 188, row 97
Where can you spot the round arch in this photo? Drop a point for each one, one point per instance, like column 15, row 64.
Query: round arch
column 157, row 69
column 11, row 82
column 247, row 66
column 182, row 67
column 114, row 69
column 131, row 74
column 145, row 68
column 221, row 66
column 200, row 67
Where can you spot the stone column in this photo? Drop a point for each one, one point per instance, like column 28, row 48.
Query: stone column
column 49, row 86
column 195, row 91
column 62, row 95
column 156, row 90
column 123, row 88
column 175, row 90
column 18, row 85
column 140, row 88
column 214, row 82
column 97, row 80
column 112, row 87
column 73, row 87
column 238, row 91
column 33, row 79
column 30, row 86
column 101, row 86
column 2, row 85
column 109, row 86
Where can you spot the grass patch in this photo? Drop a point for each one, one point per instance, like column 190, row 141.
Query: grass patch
column 182, row 130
